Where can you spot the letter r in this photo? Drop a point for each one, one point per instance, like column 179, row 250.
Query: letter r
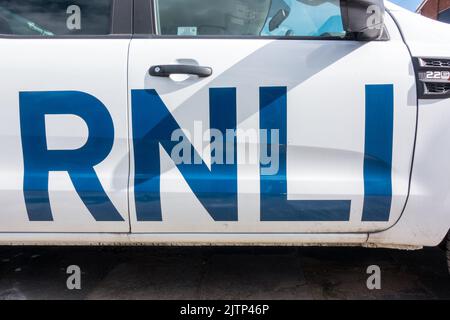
column 39, row 161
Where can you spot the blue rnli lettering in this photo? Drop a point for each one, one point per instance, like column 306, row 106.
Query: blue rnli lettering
column 39, row 161
column 153, row 125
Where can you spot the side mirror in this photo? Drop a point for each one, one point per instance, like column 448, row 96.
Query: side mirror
column 364, row 18
column 278, row 19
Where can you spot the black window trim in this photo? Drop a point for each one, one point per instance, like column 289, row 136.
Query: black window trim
column 121, row 25
column 143, row 19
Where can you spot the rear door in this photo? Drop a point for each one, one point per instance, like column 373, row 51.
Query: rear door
column 63, row 123
column 259, row 116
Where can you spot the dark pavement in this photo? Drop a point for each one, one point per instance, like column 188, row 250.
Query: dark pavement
column 221, row 273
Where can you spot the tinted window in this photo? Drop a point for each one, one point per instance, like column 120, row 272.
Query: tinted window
column 283, row 18
column 444, row 16
column 56, row 17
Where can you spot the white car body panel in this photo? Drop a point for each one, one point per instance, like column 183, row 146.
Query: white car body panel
column 426, row 219
column 42, row 65
column 325, row 133
column 424, row 37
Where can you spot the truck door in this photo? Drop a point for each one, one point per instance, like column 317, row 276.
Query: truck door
column 259, row 116
column 63, row 123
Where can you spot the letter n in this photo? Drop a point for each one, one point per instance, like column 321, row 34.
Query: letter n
column 153, row 125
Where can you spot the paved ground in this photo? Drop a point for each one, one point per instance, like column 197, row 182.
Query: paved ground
column 222, row 273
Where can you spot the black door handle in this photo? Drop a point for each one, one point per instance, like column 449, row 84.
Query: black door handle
column 167, row 70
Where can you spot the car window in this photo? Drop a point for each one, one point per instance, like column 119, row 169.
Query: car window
column 55, row 17
column 444, row 16
column 281, row 18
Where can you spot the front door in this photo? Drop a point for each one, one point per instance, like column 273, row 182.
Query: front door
column 259, row 116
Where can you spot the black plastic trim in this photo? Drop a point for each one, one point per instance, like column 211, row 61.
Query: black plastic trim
column 122, row 19
column 153, row 36
column 168, row 70
column 421, row 84
column 143, row 17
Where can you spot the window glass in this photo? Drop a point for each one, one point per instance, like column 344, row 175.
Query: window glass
column 444, row 16
column 55, row 17
column 281, row 18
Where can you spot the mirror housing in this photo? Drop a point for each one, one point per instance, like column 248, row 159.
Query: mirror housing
column 363, row 18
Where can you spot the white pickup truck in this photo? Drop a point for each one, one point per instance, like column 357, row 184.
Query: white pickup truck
column 210, row 122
